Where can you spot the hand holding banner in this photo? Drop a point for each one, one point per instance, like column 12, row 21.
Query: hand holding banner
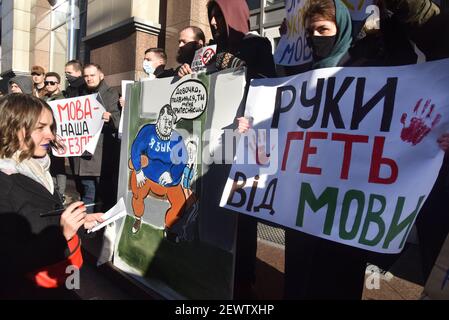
column 345, row 154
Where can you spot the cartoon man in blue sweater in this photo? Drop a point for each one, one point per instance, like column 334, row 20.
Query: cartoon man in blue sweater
column 158, row 159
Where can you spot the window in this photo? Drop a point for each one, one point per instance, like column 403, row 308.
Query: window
column 273, row 2
column 59, row 36
column 253, row 4
column 267, row 21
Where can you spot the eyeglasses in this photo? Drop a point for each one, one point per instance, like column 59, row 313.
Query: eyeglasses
column 36, row 74
column 52, row 83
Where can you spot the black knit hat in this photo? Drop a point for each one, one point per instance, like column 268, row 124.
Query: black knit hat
column 25, row 83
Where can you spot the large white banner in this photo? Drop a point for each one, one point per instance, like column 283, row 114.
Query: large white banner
column 345, row 154
column 78, row 124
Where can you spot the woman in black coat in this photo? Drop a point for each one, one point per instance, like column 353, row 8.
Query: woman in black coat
column 316, row 268
column 36, row 251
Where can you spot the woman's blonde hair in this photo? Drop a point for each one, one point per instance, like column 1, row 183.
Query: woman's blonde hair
column 20, row 112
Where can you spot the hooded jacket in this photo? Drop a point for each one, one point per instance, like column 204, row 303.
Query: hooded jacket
column 424, row 24
column 76, row 87
column 400, row 22
column 254, row 50
column 25, row 84
column 236, row 14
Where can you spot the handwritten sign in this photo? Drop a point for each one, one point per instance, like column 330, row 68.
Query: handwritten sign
column 293, row 49
column 78, row 124
column 203, row 57
column 189, row 100
column 350, row 154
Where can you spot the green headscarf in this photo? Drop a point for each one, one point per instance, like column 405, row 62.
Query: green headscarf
column 344, row 37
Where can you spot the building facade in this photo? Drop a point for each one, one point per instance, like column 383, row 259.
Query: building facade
column 112, row 33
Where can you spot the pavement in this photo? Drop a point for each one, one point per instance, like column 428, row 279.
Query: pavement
column 96, row 284
column 403, row 281
column 398, row 283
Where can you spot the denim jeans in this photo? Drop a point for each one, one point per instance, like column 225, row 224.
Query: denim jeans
column 60, row 181
column 88, row 194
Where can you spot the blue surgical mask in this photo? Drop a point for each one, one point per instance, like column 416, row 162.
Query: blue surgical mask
column 148, row 67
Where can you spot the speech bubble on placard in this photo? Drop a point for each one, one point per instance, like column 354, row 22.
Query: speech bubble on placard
column 189, row 100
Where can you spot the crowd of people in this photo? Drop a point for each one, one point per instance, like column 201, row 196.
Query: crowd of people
column 35, row 182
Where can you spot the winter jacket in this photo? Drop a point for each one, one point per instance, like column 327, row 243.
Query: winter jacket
column 54, row 97
column 30, row 243
column 254, row 50
column 76, row 88
column 91, row 165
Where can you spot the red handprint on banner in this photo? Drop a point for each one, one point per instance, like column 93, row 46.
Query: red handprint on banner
column 420, row 124
column 259, row 148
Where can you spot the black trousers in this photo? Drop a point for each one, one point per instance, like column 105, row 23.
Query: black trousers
column 245, row 257
column 319, row 269
column 432, row 223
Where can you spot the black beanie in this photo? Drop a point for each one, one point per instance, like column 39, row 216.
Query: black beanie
column 25, row 84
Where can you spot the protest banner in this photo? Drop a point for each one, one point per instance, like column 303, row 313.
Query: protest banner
column 78, row 124
column 124, row 84
column 292, row 49
column 345, row 154
column 183, row 247
column 202, row 58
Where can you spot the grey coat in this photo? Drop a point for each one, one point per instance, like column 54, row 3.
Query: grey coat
column 91, row 165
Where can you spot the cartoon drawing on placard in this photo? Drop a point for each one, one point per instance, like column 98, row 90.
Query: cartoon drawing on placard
column 158, row 160
column 193, row 258
column 188, row 179
column 163, row 163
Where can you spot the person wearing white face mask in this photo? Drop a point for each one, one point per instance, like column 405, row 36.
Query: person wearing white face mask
column 154, row 64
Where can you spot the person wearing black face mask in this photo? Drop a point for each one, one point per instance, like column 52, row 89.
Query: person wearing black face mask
column 316, row 268
column 321, row 46
column 237, row 46
column 191, row 39
column 76, row 84
column 328, row 31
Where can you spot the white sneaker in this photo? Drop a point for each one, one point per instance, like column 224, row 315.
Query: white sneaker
column 136, row 226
